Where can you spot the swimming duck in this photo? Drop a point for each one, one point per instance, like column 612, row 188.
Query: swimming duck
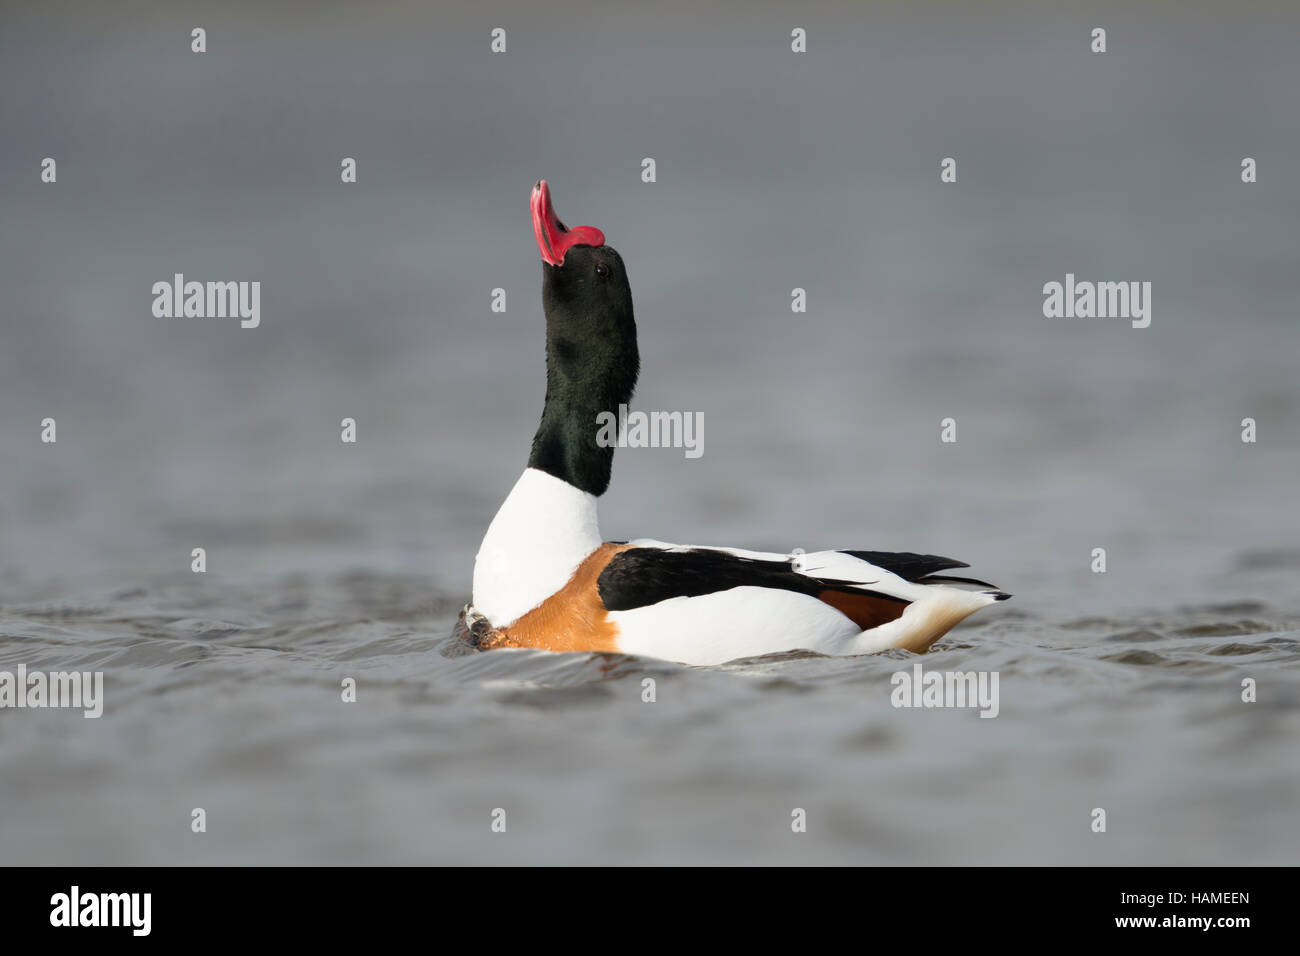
column 545, row 578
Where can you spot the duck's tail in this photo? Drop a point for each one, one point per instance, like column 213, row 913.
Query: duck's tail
column 927, row 619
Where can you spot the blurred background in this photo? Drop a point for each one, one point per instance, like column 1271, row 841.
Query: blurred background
column 775, row 170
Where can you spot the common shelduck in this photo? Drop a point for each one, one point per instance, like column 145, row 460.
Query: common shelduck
column 544, row 578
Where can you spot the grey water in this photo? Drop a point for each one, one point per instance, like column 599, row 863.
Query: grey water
column 1119, row 690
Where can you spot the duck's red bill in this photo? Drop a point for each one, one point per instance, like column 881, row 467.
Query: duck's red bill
column 553, row 239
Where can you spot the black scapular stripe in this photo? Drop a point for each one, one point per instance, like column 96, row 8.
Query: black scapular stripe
column 908, row 566
column 644, row 576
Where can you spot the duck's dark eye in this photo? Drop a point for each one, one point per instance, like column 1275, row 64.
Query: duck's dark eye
column 602, row 270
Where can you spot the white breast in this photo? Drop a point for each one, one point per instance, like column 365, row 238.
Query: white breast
column 538, row 538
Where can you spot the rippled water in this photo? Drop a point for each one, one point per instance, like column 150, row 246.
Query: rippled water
column 228, row 698
column 328, row 561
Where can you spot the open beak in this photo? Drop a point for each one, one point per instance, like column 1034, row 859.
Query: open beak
column 553, row 239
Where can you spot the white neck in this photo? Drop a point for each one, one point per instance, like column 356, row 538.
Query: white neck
column 538, row 538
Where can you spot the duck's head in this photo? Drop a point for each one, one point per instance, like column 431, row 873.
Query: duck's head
column 591, row 350
column 585, row 290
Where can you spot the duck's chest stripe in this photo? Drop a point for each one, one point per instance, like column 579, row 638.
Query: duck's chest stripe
column 573, row 618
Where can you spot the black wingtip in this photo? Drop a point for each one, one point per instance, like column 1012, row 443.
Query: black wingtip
column 907, row 564
column 1001, row 596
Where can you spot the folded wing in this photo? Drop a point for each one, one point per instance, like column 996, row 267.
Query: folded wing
column 870, row 588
